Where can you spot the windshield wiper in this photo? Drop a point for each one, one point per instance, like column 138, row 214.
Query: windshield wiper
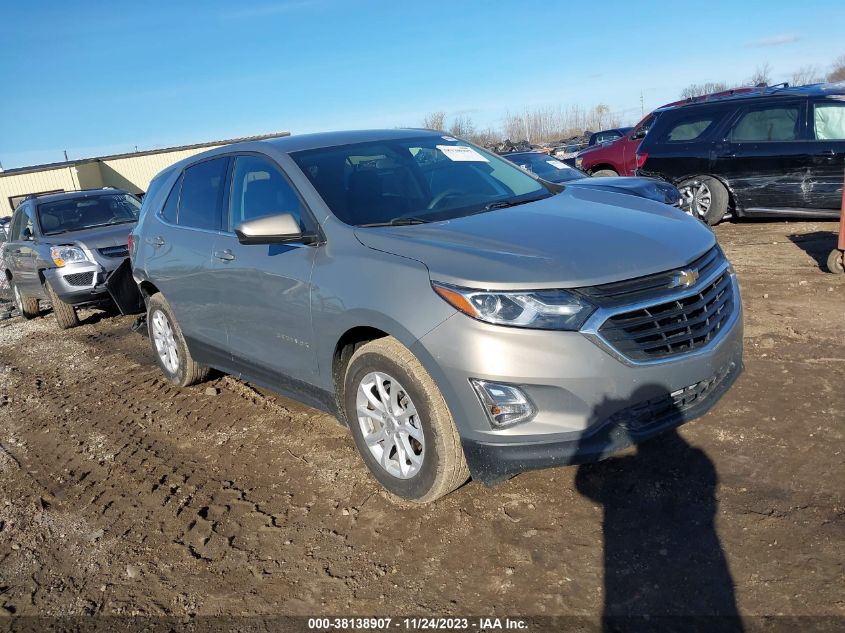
column 504, row 204
column 397, row 222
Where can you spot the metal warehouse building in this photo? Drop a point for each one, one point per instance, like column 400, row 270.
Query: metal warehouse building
column 131, row 172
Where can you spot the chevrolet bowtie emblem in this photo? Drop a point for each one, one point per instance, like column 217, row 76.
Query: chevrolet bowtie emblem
column 684, row 278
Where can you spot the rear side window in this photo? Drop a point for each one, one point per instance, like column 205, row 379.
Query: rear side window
column 258, row 190
column 171, row 207
column 776, row 123
column 689, row 128
column 829, row 121
column 201, row 198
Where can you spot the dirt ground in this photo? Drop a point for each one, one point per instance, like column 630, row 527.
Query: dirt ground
column 120, row 494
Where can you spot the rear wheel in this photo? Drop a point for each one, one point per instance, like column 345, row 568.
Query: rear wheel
column 705, row 198
column 169, row 346
column 27, row 306
column 401, row 424
column 65, row 313
column 604, row 173
column 835, row 263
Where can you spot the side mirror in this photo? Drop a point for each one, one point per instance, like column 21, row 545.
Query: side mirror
column 274, row 229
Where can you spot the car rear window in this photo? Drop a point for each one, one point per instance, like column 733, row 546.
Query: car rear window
column 201, row 200
column 689, row 128
column 776, row 123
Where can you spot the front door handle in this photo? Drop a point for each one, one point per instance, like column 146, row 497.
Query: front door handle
column 226, row 255
column 156, row 241
column 828, row 153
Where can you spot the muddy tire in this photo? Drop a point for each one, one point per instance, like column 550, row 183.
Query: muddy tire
column 169, row 347
column 65, row 313
column 705, row 198
column 27, row 306
column 604, row 173
column 835, row 263
column 401, row 424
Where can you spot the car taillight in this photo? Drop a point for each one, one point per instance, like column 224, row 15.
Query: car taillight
column 129, row 242
column 641, row 158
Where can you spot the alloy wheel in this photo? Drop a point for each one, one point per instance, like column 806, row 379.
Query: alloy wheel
column 390, row 425
column 165, row 342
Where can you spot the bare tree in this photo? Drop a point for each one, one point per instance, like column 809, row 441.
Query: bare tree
column 837, row 72
column 807, row 74
column 462, row 126
column 556, row 123
column 699, row 90
column 435, row 120
column 762, row 76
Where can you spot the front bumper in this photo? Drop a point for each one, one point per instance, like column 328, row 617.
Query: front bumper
column 81, row 283
column 591, row 402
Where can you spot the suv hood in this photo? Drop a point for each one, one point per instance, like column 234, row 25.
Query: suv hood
column 96, row 237
column 580, row 237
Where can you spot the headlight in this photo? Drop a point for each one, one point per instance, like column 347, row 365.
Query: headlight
column 538, row 309
column 67, row 255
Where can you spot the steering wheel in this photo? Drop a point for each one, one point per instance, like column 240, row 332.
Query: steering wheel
column 436, row 200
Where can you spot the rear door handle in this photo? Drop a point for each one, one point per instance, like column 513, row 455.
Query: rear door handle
column 156, row 241
column 827, row 152
column 226, row 255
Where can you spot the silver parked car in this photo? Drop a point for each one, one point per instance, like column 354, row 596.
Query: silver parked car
column 460, row 315
column 62, row 247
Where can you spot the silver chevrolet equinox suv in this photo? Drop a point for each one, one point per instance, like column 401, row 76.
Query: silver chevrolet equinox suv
column 461, row 316
column 63, row 246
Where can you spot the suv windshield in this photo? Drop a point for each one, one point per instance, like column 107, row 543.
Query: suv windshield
column 76, row 214
column 414, row 180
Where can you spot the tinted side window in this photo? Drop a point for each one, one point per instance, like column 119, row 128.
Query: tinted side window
column 775, row 123
column 259, row 189
column 829, row 121
column 170, row 208
column 22, row 224
column 690, row 127
column 202, row 195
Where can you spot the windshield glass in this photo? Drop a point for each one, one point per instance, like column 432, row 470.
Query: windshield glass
column 76, row 214
column 547, row 167
column 414, row 180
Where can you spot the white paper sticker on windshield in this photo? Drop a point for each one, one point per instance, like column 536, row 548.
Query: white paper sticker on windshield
column 558, row 165
column 449, row 138
column 462, row 153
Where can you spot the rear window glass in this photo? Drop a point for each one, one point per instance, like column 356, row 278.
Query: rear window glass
column 779, row 123
column 829, row 121
column 201, row 199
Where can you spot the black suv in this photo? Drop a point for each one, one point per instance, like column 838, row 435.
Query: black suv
column 776, row 151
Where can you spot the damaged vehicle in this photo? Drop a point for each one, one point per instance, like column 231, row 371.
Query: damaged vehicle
column 62, row 247
column 460, row 315
column 777, row 151
column 550, row 169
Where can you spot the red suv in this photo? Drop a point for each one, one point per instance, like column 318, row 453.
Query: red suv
column 619, row 157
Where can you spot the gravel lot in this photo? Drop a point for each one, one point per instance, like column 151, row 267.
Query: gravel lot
column 120, row 494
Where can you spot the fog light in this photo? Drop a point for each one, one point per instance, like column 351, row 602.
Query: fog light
column 505, row 405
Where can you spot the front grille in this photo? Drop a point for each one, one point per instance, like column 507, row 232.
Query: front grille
column 657, row 410
column 80, row 279
column 114, row 251
column 673, row 327
column 644, row 288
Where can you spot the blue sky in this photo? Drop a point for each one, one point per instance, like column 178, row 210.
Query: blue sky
column 104, row 77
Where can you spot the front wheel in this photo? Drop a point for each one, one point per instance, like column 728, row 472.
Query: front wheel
column 604, row 173
column 66, row 316
column 169, row 346
column 401, row 424
column 705, row 198
column 27, row 306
